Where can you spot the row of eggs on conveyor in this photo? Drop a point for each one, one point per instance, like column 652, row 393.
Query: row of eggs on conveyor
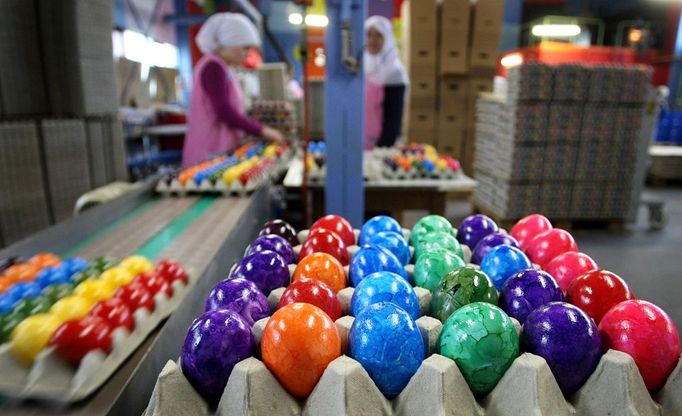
column 76, row 305
column 477, row 335
column 248, row 161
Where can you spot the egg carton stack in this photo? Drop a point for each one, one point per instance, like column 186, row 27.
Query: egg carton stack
column 67, row 331
column 619, row 84
column 280, row 115
column 530, row 81
column 571, row 82
column 438, row 385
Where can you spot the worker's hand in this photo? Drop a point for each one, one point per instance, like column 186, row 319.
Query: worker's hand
column 272, row 135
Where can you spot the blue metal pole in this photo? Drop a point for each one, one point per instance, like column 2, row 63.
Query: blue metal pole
column 675, row 69
column 344, row 112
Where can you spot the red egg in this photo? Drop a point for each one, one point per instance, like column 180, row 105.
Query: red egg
column 136, row 295
column 155, row 283
column 299, row 342
column 74, row 339
column 172, row 271
column 597, row 291
column 325, row 241
column 314, row 292
column 528, row 228
column 567, row 266
column 546, row 246
column 115, row 311
column 338, row 225
column 645, row 332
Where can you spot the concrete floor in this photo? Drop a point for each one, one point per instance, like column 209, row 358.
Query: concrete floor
column 650, row 261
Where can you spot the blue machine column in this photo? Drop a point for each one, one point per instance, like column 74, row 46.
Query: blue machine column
column 344, row 123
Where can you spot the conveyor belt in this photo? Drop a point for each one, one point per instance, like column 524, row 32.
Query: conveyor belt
column 127, row 236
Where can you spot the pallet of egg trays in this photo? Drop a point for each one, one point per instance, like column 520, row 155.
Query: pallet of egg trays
column 67, row 325
column 530, row 81
column 249, row 167
column 416, row 371
column 416, row 161
column 613, row 83
column 279, row 115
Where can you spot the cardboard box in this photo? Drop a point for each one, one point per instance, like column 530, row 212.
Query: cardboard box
column 451, row 133
column 477, row 86
column 484, row 50
column 419, row 34
column 488, row 16
column 423, row 86
column 453, row 93
column 455, row 25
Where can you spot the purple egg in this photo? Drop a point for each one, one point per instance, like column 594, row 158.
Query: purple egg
column 241, row 296
column 490, row 241
column 215, row 343
column 282, row 229
column 567, row 339
column 266, row 269
column 526, row 291
column 274, row 243
column 473, row 228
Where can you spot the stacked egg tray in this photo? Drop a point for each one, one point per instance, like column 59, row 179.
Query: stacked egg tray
column 42, row 358
column 248, row 168
column 528, row 387
column 416, row 161
column 280, row 115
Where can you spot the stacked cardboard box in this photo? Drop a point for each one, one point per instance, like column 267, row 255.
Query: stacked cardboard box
column 450, row 51
column 546, row 147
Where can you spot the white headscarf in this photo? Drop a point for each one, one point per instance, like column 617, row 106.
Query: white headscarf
column 227, row 30
column 385, row 67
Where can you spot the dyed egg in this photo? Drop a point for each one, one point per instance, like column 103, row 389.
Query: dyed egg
column 597, row 291
column 526, row 291
column 314, row 292
column 323, row 267
column 567, row 266
column 528, row 227
column 370, row 260
column 385, row 287
column 95, row 290
column 386, row 342
column 482, row 341
column 52, row 276
column 502, row 262
column 298, row 343
column 74, row 339
column 567, row 339
column 325, row 241
column 282, row 229
column 44, row 260
column 215, row 343
column 74, row 265
column 428, row 225
column 172, row 271
column 438, row 239
column 548, row 245
column 645, row 332
column 433, row 265
column 274, row 243
column 136, row 264
column 32, row 335
column 375, row 225
column 118, row 276
column 266, row 269
column 461, row 287
column 7, row 324
column 393, row 242
column 489, row 242
column 103, row 263
column 336, row 224
column 241, row 296
column 56, row 292
column 473, row 228
column 71, row 307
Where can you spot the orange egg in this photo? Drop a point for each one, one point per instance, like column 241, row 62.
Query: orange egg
column 298, row 343
column 323, row 267
column 5, row 283
column 44, row 260
column 22, row 272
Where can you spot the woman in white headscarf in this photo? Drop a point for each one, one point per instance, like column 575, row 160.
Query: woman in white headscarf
column 385, row 84
column 217, row 118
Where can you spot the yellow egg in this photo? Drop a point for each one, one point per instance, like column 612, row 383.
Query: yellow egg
column 230, row 175
column 270, row 151
column 95, row 290
column 32, row 335
column 119, row 276
column 71, row 307
column 441, row 164
column 137, row 264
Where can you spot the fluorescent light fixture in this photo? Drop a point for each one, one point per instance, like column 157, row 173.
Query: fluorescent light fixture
column 315, row 20
column 512, row 60
column 555, row 31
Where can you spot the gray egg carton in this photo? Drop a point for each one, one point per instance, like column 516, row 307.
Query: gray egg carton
column 438, row 387
column 51, row 378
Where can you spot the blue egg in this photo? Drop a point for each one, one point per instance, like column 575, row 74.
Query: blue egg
column 393, row 242
column 385, row 287
column 53, row 276
column 7, row 303
column 375, row 225
column 74, row 265
column 370, row 259
column 502, row 262
column 386, row 342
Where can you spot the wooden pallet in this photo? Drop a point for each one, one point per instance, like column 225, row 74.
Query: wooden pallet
column 569, row 224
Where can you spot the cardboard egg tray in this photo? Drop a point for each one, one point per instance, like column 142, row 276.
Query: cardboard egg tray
column 437, row 388
column 175, row 188
column 50, row 378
